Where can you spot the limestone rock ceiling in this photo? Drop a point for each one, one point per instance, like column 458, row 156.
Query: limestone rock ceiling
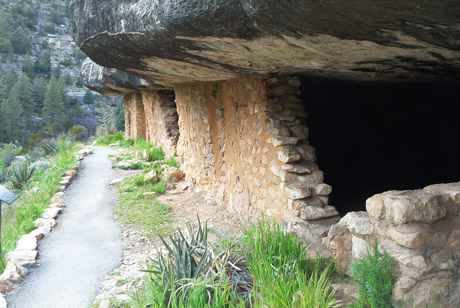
column 179, row 41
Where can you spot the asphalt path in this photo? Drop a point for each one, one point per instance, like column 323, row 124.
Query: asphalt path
column 84, row 247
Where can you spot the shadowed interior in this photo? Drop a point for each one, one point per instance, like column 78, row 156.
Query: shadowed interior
column 374, row 137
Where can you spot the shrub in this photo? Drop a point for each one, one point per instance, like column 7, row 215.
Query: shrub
column 49, row 146
column 126, row 143
column 159, row 188
column 103, row 140
column 21, row 174
column 118, row 136
column 372, row 274
column 5, row 175
column 184, row 278
column 77, row 133
column 155, row 154
column 7, row 153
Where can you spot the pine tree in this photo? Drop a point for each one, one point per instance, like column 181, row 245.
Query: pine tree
column 38, row 93
column 13, row 121
column 6, row 83
column 28, row 67
column 22, row 89
column 20, row 41
column 53, row 106
column 89, row 97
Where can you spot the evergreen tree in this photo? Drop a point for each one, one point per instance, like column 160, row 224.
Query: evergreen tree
column 53, row 106
column 7, row 82
column 89, row 97
column 20, row 41
column 21, row 93
column 13, row 121
column 38, row 93
column 28, row 67
column 43, row 63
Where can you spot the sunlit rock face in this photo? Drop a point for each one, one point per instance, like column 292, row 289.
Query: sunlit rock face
column 181, row 41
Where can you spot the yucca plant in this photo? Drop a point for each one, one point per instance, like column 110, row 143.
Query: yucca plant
column 21, row 174
column 49, row 146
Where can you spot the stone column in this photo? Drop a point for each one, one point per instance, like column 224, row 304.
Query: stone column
column 134, row 115
column 161, row 119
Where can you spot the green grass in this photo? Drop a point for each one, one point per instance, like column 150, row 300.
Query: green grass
column 283, row 273
column 155, row 154
column 107, row 139
column 18, row 219
column 172, row 162
column 143, row 213
column 372, row 274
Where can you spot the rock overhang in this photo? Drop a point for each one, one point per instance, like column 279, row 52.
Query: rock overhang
column 172, row 42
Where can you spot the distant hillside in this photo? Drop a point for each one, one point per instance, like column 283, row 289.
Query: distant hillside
column 35, row 45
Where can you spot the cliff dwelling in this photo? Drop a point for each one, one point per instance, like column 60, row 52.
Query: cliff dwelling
column 331, row 119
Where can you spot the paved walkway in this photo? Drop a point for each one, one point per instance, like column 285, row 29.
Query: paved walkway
column 84, row 247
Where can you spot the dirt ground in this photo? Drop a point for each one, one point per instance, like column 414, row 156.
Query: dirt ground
column 187, row 205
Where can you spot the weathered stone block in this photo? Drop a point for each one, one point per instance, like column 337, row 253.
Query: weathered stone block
column 316, row 212
column 295, row 190
column 281, row 140
column 415, row 206
column 301, row 167
column 288, row 155
column 323, row 189
column 306, row 151
column 358, row 223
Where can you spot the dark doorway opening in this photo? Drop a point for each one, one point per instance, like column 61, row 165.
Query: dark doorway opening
column 374, row 137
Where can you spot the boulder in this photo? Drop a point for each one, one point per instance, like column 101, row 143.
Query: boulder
column 173, row 173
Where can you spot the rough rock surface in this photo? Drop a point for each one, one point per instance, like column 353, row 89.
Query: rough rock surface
column 420, row 229
column 181, row 41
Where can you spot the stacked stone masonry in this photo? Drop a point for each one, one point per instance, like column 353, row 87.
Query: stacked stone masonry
column 420, row 229
column 152, row 115
column 245, row 141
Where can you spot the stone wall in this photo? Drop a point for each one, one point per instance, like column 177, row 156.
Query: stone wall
column 245, row 141
column 420, row 229
column 161, row 119
column 152, row 115
column 134, row 115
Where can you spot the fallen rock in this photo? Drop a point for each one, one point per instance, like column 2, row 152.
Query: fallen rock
column 51, row 212
column 22, row 257
column 173, row 173
column 151, row 176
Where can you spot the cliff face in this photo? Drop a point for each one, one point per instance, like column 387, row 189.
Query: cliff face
column 171, row 42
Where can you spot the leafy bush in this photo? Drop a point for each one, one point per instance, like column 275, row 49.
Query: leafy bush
column 5, row 175
column 77, row 133
column 118, row 136
column 103, row 140
column 372, row 274
column 7, row 153
column 155, row 154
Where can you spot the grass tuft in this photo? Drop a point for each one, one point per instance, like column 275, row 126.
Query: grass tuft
column 373, row 276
